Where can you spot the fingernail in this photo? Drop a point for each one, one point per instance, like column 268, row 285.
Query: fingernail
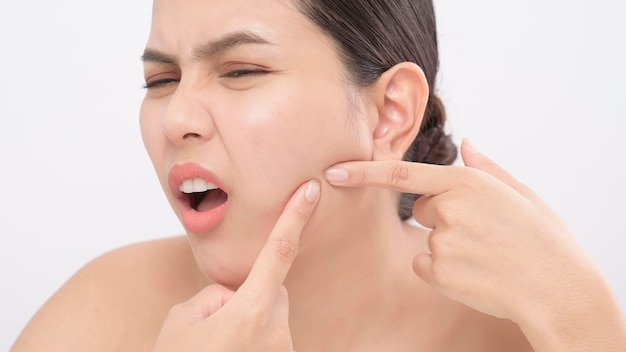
column 312, row 191
column 336, row 174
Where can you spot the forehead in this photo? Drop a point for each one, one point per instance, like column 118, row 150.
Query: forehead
column 180, row 24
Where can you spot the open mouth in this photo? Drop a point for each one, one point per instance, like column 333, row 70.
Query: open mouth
column 202, row 195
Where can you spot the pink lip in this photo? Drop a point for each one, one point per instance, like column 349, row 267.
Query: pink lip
column 195, row 221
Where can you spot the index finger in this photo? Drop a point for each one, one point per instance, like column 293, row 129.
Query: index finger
column 275, row 258
column 401, row 176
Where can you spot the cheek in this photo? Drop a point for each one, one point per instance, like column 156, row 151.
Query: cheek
column 152, row 135
column 293, row 135
column 325, row 130
column 150, row 129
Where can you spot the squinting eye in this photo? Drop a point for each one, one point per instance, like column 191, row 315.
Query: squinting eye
column 244, row 73
column 159, row 83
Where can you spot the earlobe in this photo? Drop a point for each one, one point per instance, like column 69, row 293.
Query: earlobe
column 401, row 98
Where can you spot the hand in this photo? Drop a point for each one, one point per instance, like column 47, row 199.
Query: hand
column 255, row 318
column 495, row 246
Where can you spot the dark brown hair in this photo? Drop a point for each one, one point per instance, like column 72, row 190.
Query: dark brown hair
column 374, row 35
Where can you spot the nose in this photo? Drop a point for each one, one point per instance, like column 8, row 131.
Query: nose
column 187, row 118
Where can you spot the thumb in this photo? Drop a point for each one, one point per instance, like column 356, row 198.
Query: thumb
column 281, row 305
column 477, row 160
column 423, row 267
column 208, row 301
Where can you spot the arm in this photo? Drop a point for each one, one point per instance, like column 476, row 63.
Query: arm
column 587, row 317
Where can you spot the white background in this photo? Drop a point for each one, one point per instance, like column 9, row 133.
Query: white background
column 538, row 85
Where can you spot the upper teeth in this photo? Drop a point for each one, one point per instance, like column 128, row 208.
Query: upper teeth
column 196, row 185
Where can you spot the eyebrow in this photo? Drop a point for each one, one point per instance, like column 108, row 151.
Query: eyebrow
column 209, row 49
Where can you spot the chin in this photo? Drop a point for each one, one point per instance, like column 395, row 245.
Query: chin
column 226, row 254
column 225, row 263
column 230, row 280
column 227, row 273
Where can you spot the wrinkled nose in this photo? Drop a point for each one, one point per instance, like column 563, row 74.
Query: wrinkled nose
column 187, row 118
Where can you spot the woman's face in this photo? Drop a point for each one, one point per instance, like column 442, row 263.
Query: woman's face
column 249, row 96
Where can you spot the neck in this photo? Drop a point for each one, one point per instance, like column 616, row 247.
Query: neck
column 353, row 277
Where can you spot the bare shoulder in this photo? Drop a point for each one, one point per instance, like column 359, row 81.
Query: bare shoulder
column 117, row 302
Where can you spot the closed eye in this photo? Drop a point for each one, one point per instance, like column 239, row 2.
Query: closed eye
column 159, row 82
column 244, row 73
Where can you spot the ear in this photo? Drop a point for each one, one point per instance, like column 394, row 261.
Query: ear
column 401, row 95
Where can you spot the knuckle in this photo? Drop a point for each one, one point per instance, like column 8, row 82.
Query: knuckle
column 176, row 311
column 467, row 175
column 433, row 242
column 283, row 294
column 284, row 249
column 301, row 212
column 398, row 175
column 437, row 242
column 359, row 176
column 474, row 179
column 441, row 209
column 442, row 244
column 448, row 211
column 441, row 275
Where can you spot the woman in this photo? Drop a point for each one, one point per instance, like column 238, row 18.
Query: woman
column 239, row 95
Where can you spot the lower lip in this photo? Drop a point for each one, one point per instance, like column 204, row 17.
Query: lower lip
column 201, row 222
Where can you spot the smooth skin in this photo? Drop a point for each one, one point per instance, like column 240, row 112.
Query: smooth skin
column 253, row 114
